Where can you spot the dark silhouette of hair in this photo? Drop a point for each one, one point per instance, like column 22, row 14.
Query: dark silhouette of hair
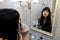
column 9, row 23
column 48, row 19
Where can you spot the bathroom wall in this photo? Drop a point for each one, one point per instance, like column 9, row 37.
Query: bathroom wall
column 57, row 34
column 25, row 15
column 13, row 5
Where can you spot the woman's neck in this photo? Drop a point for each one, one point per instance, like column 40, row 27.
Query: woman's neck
column 44, row 20
column 45, row 17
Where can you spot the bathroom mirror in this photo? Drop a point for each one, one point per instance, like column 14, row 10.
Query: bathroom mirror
column 43, row 15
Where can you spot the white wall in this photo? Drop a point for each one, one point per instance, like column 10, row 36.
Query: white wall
column 13, row 5
column 25, row 15
column 57, row 34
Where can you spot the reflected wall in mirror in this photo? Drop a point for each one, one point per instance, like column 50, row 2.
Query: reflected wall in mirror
column 42, row 15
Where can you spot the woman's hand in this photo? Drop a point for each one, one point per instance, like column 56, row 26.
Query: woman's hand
column 24, row 29
column 24, row 32
column 40, row 27
column 1, row 38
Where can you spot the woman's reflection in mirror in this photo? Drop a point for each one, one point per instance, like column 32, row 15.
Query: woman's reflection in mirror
column 44, row 21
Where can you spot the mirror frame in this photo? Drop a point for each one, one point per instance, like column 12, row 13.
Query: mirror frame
column 53, row 26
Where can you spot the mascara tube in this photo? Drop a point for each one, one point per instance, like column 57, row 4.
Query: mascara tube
column 21, row 24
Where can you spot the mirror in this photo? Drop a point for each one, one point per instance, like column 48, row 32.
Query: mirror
column 42, row 15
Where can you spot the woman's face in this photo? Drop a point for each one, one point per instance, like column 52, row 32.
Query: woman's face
column 45, row 13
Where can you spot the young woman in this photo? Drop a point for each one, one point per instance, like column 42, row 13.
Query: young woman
column 45, row 20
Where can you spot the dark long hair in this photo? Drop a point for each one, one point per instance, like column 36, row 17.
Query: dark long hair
column 48, row 20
